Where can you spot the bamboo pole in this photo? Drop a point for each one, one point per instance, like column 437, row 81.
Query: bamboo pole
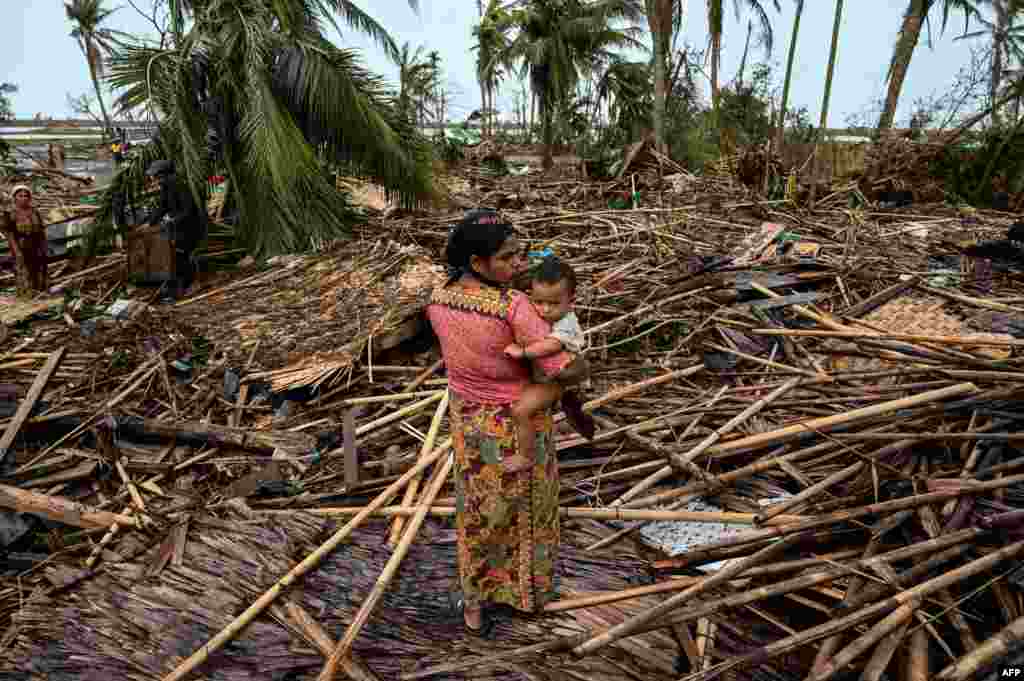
column 705, row 609
column 61, row 509
column 628, row 390
column 904, row 579
column 787, row 433
column 665, row 471
column 566, row 512
column 912, row 337
column 361, row 617
column 883, row 653
column 300, row 619
column 674, row 584
column 25, row 407
column 134, row 381
column 904, row 603
column 683, row 460
column 995, row 647
column 917, row 656
column 414, row 484
column 307, row 564
column 376, row 399
column 725, row 574
column 767, row 363
column 741, row 538
column 837, row 477
column 400, row 414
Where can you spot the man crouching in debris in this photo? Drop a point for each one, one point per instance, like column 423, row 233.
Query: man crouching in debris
column 180, row 219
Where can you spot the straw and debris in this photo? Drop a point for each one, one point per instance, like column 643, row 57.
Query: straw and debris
column 807, row 451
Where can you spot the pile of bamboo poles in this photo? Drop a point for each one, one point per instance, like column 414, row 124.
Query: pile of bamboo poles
column 877, row 469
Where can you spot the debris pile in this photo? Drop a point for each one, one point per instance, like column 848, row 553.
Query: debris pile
column 807, row 453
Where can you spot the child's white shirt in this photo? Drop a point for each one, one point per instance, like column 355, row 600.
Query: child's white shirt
column 569, row 333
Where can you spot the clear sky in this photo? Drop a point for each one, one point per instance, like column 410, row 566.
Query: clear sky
column 38, row 55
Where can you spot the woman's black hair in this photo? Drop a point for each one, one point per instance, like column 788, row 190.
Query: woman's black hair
column 481, row 232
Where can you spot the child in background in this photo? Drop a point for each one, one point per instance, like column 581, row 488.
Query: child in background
column 552, row 291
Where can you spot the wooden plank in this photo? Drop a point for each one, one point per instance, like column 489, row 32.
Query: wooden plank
column 59, row 509
column 25, row 408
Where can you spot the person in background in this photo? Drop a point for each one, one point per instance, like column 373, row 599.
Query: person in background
column 25, row 232
column 506, row 503
column 115, row 151
column 181, row 220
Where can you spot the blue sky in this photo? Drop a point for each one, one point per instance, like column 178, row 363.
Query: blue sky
column 37, row 54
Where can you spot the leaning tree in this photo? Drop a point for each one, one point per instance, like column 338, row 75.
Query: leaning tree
column 254, row 90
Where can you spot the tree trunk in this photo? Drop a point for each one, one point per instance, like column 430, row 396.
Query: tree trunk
column 716, row 54
column 715, row 27
column 998, row 47
column 547, row 132
column 822, row 126
column 789, row 75
column 659, row 20
column 483, row 107
column 93, row 57
column 906, row 43
column 746, row 51
column 533, row 117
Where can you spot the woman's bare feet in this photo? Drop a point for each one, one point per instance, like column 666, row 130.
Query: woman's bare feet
column 526, row 444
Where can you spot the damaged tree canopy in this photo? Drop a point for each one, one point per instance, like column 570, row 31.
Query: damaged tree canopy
column 255, row 91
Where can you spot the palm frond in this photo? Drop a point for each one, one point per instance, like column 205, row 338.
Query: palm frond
column 364, row 23
column 346, row 111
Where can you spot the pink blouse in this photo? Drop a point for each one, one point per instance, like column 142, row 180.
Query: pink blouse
column 474, row 327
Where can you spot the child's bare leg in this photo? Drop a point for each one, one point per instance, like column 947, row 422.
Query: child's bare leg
column 535, row 398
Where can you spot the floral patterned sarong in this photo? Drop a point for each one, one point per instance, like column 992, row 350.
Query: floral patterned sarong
column 507, row 522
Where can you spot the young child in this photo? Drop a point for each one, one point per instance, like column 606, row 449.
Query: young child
column 552, row 291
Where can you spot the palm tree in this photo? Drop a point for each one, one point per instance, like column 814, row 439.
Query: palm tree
column 435, row 98
column 95, row 41
column 765, row 35
column 626, row 87
column 491, row 43
column 789, row 74
column 664, row 19
column 823, row 125
column 1007, row 45
column 558, row 40
column 915, row 18
column 416, row 76
column 254, row 90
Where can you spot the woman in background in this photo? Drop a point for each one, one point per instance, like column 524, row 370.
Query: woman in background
column 25, row 232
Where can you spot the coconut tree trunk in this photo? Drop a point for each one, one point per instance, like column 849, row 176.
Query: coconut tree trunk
column 715, row 28
column 828, row 94
column 906, row 43
column 547, row 123
column 483, row 107
column 998, row 48
column 746, row 51
column 780, row 131
column 93, row 57
column 659, row 20
column 533, row 117
column 716, row 55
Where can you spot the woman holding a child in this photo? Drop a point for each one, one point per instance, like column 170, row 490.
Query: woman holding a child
column 506, row 486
